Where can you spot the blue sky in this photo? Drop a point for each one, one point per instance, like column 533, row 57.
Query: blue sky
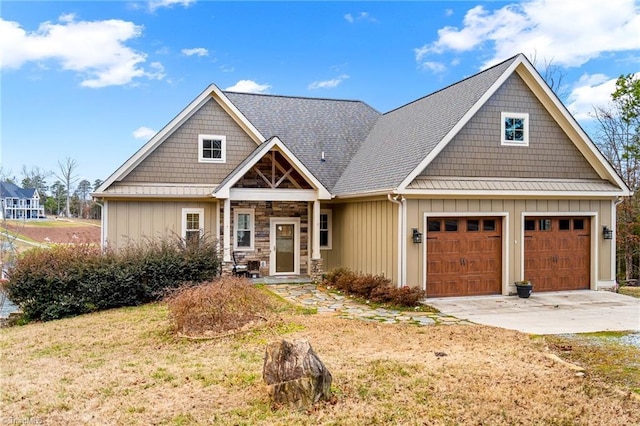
column 94, row 80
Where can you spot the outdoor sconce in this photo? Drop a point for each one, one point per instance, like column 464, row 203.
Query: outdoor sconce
column 607, row 233
column 417, row 236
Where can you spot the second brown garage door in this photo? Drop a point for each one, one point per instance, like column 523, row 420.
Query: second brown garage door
column 464, row 256
column 557, row 252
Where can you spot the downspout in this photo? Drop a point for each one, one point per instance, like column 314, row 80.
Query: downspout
column 401, row 239
column 404, row 242
column 103, row 226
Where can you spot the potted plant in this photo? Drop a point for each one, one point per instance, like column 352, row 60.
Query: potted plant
column 524, row 287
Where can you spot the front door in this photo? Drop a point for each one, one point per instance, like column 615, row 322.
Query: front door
column 285, row 246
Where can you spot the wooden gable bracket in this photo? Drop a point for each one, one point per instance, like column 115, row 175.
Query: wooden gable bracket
column 286, row 174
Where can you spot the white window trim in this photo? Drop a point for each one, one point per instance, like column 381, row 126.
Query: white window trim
column 222, row 138
column 185, row 212
column 328, row 212
column 252, row 229
column 525, row 116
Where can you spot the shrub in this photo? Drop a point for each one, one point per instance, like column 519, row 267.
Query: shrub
column 75, row 279
column 228, row 303
column 333, row 276
column 376, row 288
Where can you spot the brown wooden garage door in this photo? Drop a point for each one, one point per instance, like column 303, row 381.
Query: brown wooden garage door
column 464, row 256
column 557, row 252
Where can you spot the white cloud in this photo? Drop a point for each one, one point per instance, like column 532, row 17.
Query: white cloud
column 433, row 66
column 95, row 49
column 143, row 133
column 448, row 12
column 328, row 84
column 249, row 86
column 158, row 71
column 362, row 16
column 591, row 91
column 196, row 51
column 569, row 32
column 226, row 68
column 157, row 4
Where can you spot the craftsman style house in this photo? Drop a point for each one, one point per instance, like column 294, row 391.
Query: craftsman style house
column 19, row 203
column 463, row 192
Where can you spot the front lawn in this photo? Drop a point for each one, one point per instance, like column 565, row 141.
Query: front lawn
column 127, row 367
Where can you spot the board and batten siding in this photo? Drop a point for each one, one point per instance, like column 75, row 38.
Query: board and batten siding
column 476, row 150
column 512, row 211
column 364, row 236
column 176, row 159
column 134, row 221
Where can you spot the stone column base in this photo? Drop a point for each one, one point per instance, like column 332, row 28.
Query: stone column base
column 315, row 272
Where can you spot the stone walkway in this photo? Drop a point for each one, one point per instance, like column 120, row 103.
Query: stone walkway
column 309, row 296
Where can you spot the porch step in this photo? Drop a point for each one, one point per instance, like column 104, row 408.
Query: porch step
column 288, row 279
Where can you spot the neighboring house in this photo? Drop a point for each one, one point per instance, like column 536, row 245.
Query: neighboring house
column 19, row 203
column 462, row 192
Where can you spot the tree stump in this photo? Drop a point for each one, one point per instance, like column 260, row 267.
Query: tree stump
column 294, row 374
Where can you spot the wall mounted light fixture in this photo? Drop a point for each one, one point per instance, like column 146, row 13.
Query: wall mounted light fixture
column 417, row 236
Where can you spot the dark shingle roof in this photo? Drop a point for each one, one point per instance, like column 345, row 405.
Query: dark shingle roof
column 310, row 126
column 10, row 190
column 402, row 138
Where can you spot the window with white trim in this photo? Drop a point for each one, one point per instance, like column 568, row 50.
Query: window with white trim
column 243, row 220
column 192, row 224
column 212, row 148
column 515, row 129
column 325, row 229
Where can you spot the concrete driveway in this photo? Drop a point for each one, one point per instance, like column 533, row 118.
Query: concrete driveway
column 579, row 311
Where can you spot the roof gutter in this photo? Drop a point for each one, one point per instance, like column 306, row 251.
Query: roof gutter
column 402, row 225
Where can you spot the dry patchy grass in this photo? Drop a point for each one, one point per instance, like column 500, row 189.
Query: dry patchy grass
column 54, row 231
column 126, row 367
column 630, row 291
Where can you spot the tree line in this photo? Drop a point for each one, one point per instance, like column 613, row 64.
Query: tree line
column 619, row 140
column 65, row 195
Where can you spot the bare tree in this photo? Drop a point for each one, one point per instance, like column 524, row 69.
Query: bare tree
column 552, row 74
column 619, row 140
column 68, row 176
column 35, row 178
column 5, row 176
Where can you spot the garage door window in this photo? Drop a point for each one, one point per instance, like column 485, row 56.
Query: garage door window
column 545, row 225
column 489, row 225
column 454, row 225
column 529, row 225
column 473, row 225
column 565, row 224
column 578, row 224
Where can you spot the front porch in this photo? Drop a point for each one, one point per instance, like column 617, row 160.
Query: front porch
column 271, row 215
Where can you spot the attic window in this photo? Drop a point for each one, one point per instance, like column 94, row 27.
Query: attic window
column 515, row 129
column 212, row 148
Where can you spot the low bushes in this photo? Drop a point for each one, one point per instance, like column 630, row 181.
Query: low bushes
column 375, row 288
column 215, row 307
column 75, row 279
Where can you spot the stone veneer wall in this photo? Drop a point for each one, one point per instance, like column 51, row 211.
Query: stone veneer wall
column 264, row 210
